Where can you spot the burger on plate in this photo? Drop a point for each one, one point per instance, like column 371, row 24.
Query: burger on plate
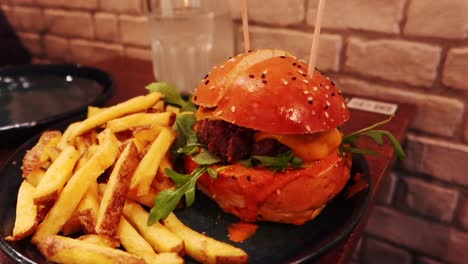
column 278, row 130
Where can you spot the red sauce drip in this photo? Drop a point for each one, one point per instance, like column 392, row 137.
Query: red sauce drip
column 239, row 232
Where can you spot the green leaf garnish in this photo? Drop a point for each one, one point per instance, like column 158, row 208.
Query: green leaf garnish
column 275, row 163
column 167, row 200
column 206, row 158
column 172, row 96
column 187, row 140
column 377, row 135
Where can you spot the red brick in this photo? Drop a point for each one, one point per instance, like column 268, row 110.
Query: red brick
column 442, row 19
column 415, row 233
column 380, row 16
column 424, row 260
column 457, row 247
column 75, row 4
column 395, row 60
column 106, row 27
column 387, row 189
column 57, row 48
column 135, row 30
column 261, row 38
column 430, row 199
column 462, row 214
column 376, row 251
column 432, row 110
column 69, row 23
column 275, row 12
column 84, row 51
column 29, row 19
column 443, row 160
column 455, row 70
column 122, row 7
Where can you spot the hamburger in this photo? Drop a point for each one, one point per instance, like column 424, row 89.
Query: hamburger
column 277, row 131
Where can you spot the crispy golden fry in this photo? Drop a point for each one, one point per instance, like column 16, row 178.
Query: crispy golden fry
column 35, row 176
column 26, row 213
column 56, row 175
column 159, row 237
column 133, row 105
column 135, row 244
column 62, row 249
column 93, row 110
column 73, row 225
column 159, row 106
column 66, row 134
column 173, row 109
column 88, row 139
column 139, row 120
column 113, row 198
column 32, row 159
column 85, row 157
column 100, row 240
column 148, row 167
column 162, row 181
column 143, row 137
column 88, row 209
column 78, row 185
column 202, row 248
column 147, row 199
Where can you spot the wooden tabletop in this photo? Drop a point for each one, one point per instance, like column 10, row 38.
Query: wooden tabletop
column 132, row 76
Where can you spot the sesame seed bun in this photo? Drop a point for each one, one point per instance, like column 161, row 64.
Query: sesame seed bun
column 270, row 91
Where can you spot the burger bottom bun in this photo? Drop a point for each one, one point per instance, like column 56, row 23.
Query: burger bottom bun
column 293, row 196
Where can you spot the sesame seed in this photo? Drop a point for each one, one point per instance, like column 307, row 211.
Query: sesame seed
column 249, row 51
column 308, row 128
column 265, row 72
column 299, row 66
column 222, row 66
column 283, row 57
column 328, row 103
column 232, row 60
column 327, row 87
column 328, row 78
column 315, row 88
column 233, row 108
column 306, row 92
column 220, row 112
column 300, row 72
column 206, row 76
column 310, row 98
column 294, row 78
column 207, row 81
column 284, row 81
column 303, row 61
column 333, row 94
column 326, row 96
column 278, row 191
column 343, row 105
column 305, row 81
column 333, row 83
column 327, row 115
column 295, row 63
column 251, row 76
column 212, row 87
column 313, row 112
column 264, row 81
column 263, row 76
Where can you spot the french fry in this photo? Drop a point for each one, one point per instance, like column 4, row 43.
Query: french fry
column 173, row 109
column 133, row 105
column 78, row 185
column 100, row 240
column 162, row 181
column 138, row 120
column 62, row 249
column 147, row 199
column 73, row 225
column 113, row 198
column 26, row 213
column 159, row 106
column 35, row 176
column 64, row 141
column 148, row 167
column 56, row 175
column 88, row 209
column 135, row 244
column 34, row 158
column 159, row 237
column 93, row 110
column 145, row 136
column 202, row 248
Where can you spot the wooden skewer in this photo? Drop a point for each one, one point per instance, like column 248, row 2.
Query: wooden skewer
column 245, row 26
column 316, row 37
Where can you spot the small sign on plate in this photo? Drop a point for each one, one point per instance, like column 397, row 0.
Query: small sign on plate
column 372, row 106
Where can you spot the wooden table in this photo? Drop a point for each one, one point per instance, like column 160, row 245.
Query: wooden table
column 133, row 75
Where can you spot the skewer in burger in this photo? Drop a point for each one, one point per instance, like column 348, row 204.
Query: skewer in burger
column 277, row 129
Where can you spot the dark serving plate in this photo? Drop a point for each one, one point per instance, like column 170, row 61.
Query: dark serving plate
column 273, row 243
column 33, row 97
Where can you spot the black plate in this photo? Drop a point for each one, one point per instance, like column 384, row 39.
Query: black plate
column 34, row 96
column 273, row 243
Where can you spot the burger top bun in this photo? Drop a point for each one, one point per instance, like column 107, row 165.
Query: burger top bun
column 271, row 91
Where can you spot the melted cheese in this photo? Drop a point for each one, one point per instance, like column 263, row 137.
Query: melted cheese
column 307, row 147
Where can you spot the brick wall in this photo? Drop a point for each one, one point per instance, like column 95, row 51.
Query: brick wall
column 405, row 50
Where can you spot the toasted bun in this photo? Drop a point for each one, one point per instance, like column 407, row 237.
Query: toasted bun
column 293, row 196
column 270, row 90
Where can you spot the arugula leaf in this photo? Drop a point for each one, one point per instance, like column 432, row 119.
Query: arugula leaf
column 172, row 95
column 167, row 200
column 187, row 140
column 377, row 135
column 206, row 158
column 279, row 162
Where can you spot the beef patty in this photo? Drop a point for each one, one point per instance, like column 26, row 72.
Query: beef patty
column 232, row 142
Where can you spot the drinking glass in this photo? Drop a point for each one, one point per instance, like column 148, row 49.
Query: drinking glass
column 181, row 41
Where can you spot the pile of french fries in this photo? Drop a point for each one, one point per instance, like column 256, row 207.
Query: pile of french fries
column 85, row 192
